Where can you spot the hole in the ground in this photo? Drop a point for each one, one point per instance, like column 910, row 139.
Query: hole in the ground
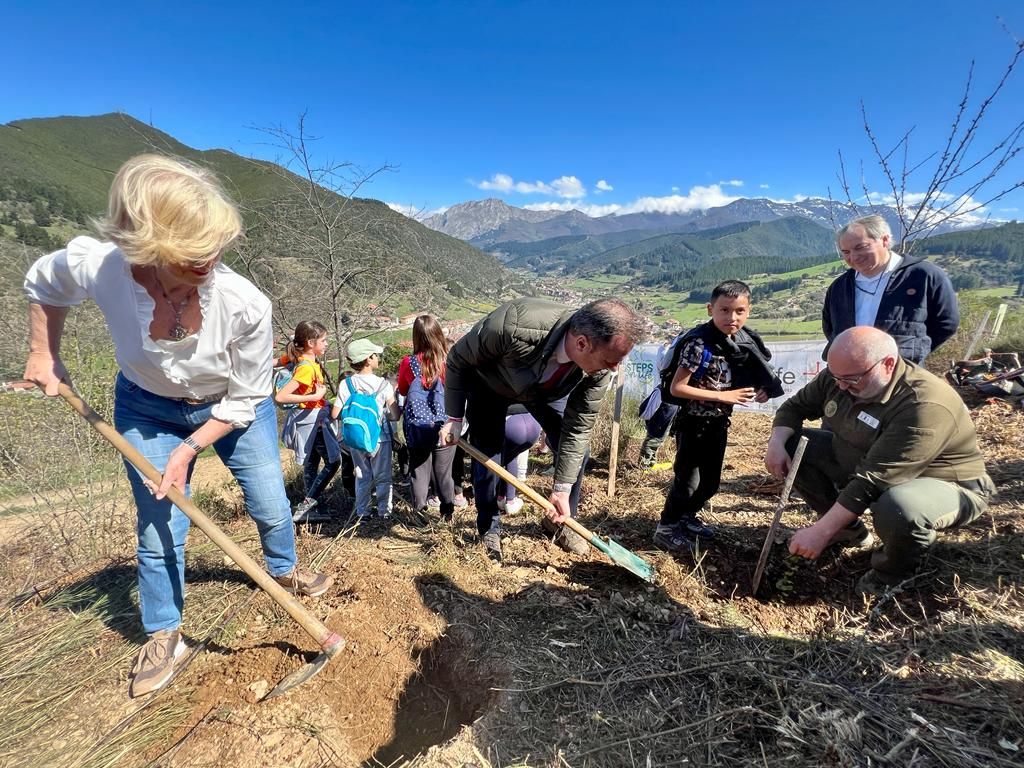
column 446, row 693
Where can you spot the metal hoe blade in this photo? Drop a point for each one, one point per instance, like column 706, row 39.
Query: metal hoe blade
column 306, row 671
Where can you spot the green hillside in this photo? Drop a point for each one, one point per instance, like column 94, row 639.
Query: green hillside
column 68, row 163
column 684, row 261
column 979, row 257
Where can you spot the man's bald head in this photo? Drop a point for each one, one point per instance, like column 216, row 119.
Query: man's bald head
column 862, row 360
column 863, row 344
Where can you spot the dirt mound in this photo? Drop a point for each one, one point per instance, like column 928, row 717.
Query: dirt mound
column 400, row 685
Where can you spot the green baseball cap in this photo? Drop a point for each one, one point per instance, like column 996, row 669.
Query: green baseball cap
column 360, row 349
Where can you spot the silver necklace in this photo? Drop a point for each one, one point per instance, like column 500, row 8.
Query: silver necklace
column 178, row 331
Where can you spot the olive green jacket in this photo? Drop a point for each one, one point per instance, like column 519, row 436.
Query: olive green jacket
column 507, row 352
column 918, row 427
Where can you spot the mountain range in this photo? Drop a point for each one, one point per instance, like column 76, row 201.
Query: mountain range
column 489, row 223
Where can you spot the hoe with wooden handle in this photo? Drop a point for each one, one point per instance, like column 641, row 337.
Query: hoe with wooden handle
column 330, row 642
column 617, row 553
column 770, row 538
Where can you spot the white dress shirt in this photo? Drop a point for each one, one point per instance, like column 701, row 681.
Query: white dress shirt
column 228, row 357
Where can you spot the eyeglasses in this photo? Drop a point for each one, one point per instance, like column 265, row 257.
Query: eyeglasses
column 853, row 381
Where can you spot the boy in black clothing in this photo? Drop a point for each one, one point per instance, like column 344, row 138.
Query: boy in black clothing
column 720, row 365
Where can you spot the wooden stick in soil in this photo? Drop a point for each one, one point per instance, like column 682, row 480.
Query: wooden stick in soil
column 774, row 527
column 976, row 336
column 613, row 450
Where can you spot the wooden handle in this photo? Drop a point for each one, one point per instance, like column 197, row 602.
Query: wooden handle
column 329, row 641
column 787, row 487
column 522, row 487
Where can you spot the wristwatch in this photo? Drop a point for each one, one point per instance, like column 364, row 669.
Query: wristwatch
column 193, row 445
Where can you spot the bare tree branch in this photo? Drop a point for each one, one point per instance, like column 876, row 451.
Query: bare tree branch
column 955, row 176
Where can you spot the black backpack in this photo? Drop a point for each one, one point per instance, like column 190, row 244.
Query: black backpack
column 668, row 370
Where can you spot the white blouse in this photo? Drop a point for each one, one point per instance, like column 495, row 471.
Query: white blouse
column 229, row 357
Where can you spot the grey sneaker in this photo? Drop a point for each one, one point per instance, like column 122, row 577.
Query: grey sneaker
column 671, row 539
column 856, row 535
column 877, row 584
column 155, row 663
column 301, row 513
column 492, row 545
column 303, row 582
column 565, row 538
column 571, row 541
column 512, row 506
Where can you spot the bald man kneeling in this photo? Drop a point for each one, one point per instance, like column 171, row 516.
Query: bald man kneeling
column 895, row 440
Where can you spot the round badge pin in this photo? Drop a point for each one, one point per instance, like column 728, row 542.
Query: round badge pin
column 831, row 408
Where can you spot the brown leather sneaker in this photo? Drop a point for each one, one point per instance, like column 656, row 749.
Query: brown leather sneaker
column 155, row 663
column 303, row 582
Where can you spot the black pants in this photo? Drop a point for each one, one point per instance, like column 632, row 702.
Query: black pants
column 486, row 413
column 429, row 463
column 700, row 452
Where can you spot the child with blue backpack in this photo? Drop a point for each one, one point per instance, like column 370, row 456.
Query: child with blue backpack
column 301, row 387
column 421, row 382
column 366, row 407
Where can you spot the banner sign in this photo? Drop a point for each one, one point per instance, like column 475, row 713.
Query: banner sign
column 795, row 362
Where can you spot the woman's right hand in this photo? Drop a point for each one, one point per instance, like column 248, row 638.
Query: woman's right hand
column 46, row 372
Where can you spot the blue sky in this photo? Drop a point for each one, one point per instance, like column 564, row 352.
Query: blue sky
column 601, row 106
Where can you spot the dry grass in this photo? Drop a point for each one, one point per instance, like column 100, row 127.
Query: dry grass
column 592, row 667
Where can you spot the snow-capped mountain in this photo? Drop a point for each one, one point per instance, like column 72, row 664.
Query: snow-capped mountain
column 487, row 222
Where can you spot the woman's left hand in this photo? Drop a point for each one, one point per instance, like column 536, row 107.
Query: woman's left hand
column 176, row 471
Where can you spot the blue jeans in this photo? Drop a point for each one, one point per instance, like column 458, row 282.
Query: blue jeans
column 155, row 426
column 373, row 471
column 315, row 478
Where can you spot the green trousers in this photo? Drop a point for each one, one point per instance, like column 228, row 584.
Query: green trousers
column 907, row 517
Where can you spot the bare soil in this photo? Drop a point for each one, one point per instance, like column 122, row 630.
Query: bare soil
column 552, row 659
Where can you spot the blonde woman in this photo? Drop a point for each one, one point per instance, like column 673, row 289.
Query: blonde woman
column 193, row 341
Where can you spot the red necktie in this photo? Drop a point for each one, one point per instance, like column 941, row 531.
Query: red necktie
column 556, row 377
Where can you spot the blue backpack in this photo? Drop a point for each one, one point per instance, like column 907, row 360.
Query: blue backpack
column 283, row 376
column 361, row 419
column 424, row 409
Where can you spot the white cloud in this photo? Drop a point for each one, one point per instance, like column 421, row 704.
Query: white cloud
column 419, row 214
column 675, row 189
column 964, row 210
column 595, row 211
column 697, row 199
column 731, row 183
column 603, row 186
column 568, row 187
column 764, row 186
